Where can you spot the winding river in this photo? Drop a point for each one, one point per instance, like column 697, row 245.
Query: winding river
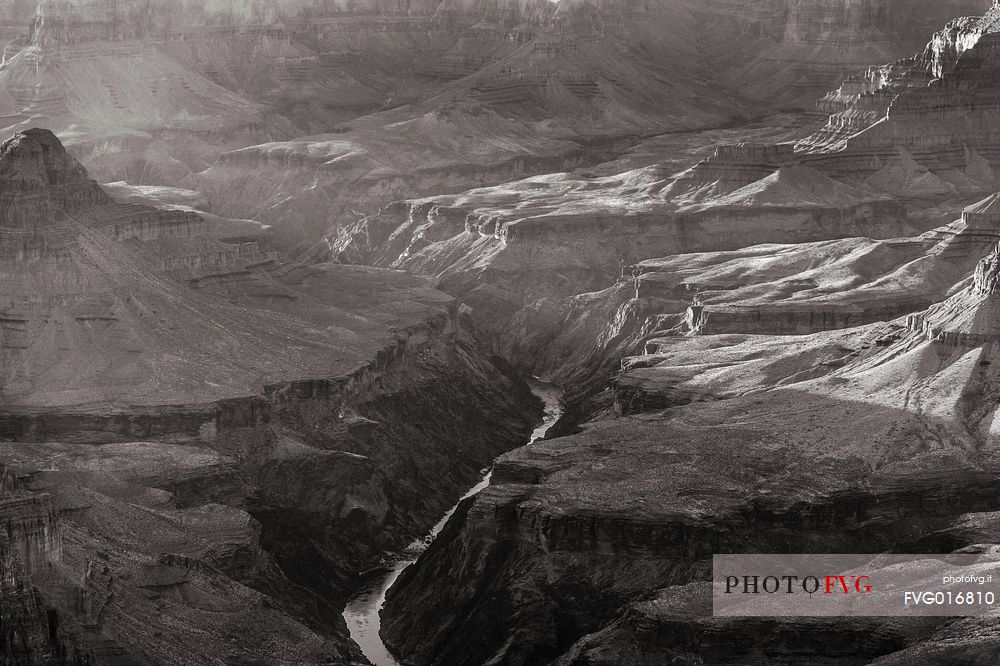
column 362, row 612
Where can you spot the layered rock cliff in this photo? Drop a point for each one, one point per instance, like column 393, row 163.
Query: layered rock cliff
column 30, row 547
column 811, row 45
column 883, row 114
column 533, row 260
column 510, row 246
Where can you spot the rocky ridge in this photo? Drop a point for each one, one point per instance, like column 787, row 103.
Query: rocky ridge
column 531, row 256
column 580, row 85
column 378, row 93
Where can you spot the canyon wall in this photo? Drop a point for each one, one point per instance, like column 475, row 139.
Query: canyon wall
column 532, row 258
column 588, row 543
column 30, row 546
column 280, row 514
column 216, row 440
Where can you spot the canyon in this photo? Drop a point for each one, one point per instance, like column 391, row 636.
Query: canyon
column 349, row 106
column 571, row 271
column 282, row 281
column 799, row 335
column 604, row 538
column 204, row 431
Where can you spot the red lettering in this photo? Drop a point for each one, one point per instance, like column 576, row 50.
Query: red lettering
column 831, row 584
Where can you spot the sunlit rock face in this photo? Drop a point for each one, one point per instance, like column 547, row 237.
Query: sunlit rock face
column 537, row 261
column 800, row 47
column 887, row 113
column 971, row 316
column 864, row 97
column 623, row 517
column 508, row 250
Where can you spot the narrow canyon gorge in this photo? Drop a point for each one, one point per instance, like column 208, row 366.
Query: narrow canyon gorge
column 470, row 332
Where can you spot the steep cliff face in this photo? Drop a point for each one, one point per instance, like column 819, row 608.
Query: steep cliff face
column 864, row 98
column 812, row 45
column 547, row 237
column 159, row 532
column 533, row 260
column 788, row 50
column 763, row 290
column 41, row 184
column 123, row 556
column 882, row 116
column 969, row 317
column 30, row 547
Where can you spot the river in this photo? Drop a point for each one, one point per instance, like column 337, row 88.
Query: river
column 362, row 611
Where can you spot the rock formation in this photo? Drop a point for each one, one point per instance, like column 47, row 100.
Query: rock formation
column 532, row 257
column 858, row 408
column 596, row 547
column 225, row 438
column 387, row 97
column 30, row 546
column 588, row 72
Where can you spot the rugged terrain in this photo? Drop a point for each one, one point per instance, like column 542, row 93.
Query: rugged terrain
column 209, row 434
column 599, row 258
column 581, row 85
column 775, row 323
column 596, row 547
column 784, row 345
column 348, row 106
